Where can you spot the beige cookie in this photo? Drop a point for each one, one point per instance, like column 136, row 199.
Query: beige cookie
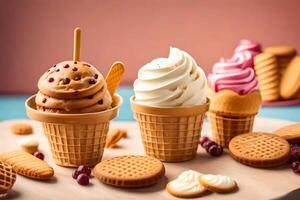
column 29, row 144
column 130, row 171
column 281, row 51
column 218, row 183
column 186, row 185
column 27, row 165
column 290, row 82
column 21, row 128
column 291, row 133
column 71, row 79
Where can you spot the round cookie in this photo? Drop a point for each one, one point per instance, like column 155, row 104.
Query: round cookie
column 21, row 128
column 130, row 171
column 281, row 51
column 290, row 82
column 186, row 185
column 291, row 133
column 71, row 79
column 259, row 149
column 218, row 183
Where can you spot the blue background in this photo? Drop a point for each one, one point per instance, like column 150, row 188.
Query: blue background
column 12, row 107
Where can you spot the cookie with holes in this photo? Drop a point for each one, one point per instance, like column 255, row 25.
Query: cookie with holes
column 130, row 171
column 260, row 150
column 71, row 80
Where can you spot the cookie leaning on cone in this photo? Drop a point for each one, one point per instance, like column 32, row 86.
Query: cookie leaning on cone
column 234, row 96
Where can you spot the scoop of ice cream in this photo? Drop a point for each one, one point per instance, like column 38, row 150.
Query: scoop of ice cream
column 172, row 81
column 72, row 87
column 248, row 45
column 236, row 74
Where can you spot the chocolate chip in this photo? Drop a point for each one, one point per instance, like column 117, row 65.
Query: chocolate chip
column 96, row 76
column 54, row 65
column 87, row 65
column 66, row 81
column 92, row 81
column 77, row 78
column 44, row 100
column 50, row 80
column 100, row 102
column 66, row 66
column 90, row 97
column 75, row 62
column 48, row 70
column 75, row 69
column 57, row 70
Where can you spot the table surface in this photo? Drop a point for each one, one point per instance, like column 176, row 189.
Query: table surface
column 253, row 183
column 12, row 107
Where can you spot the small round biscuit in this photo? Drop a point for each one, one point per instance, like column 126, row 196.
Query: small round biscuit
column 218, row 183
column 29, row 144
column 291, row 133
column 21, row 128
column 186, row 185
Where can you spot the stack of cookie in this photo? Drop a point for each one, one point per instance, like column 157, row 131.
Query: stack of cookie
column 268, row 75
column 271, row 67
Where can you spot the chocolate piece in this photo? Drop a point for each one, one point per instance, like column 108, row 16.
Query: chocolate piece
column 75, row 62
column 77, row 78
column 44, row 100
column 96, row 76
column 66, row 81
column 75, row 69
column 92, row 81
column 57, row 70
column 66, row 66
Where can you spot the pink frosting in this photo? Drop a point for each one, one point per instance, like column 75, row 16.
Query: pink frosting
column 248, row 45
column 235, row 74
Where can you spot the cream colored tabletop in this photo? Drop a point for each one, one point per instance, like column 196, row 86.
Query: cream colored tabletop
column 253, row 183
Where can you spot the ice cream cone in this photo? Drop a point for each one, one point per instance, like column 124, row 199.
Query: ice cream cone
column 170, row 134
column 75, row 139
column 231, row 114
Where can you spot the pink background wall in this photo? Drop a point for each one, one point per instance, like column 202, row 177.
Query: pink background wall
column 35, row 34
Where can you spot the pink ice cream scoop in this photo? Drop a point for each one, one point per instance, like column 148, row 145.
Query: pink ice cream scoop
column 236, row 74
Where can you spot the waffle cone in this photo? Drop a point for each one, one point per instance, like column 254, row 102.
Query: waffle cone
column 75, row 139
column 170, row 134
column 7, row 178
column 224, row 128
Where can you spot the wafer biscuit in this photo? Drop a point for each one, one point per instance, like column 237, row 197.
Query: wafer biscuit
column 27, row 165
column 130, row 171
column 114, row 135
column 114, row 77
column 259, row 149
column 7, row 178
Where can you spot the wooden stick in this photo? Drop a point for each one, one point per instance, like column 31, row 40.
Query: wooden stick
column 76, row 48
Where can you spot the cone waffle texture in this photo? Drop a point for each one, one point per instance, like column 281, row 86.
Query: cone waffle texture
column 114, row 77
column 260, row 149
column 130, row 171
column 224, row 128
column 27, row 165
column 7, row 178
column 76, row 144
column 268, row 75
column 170, row 134
column 231, row 114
